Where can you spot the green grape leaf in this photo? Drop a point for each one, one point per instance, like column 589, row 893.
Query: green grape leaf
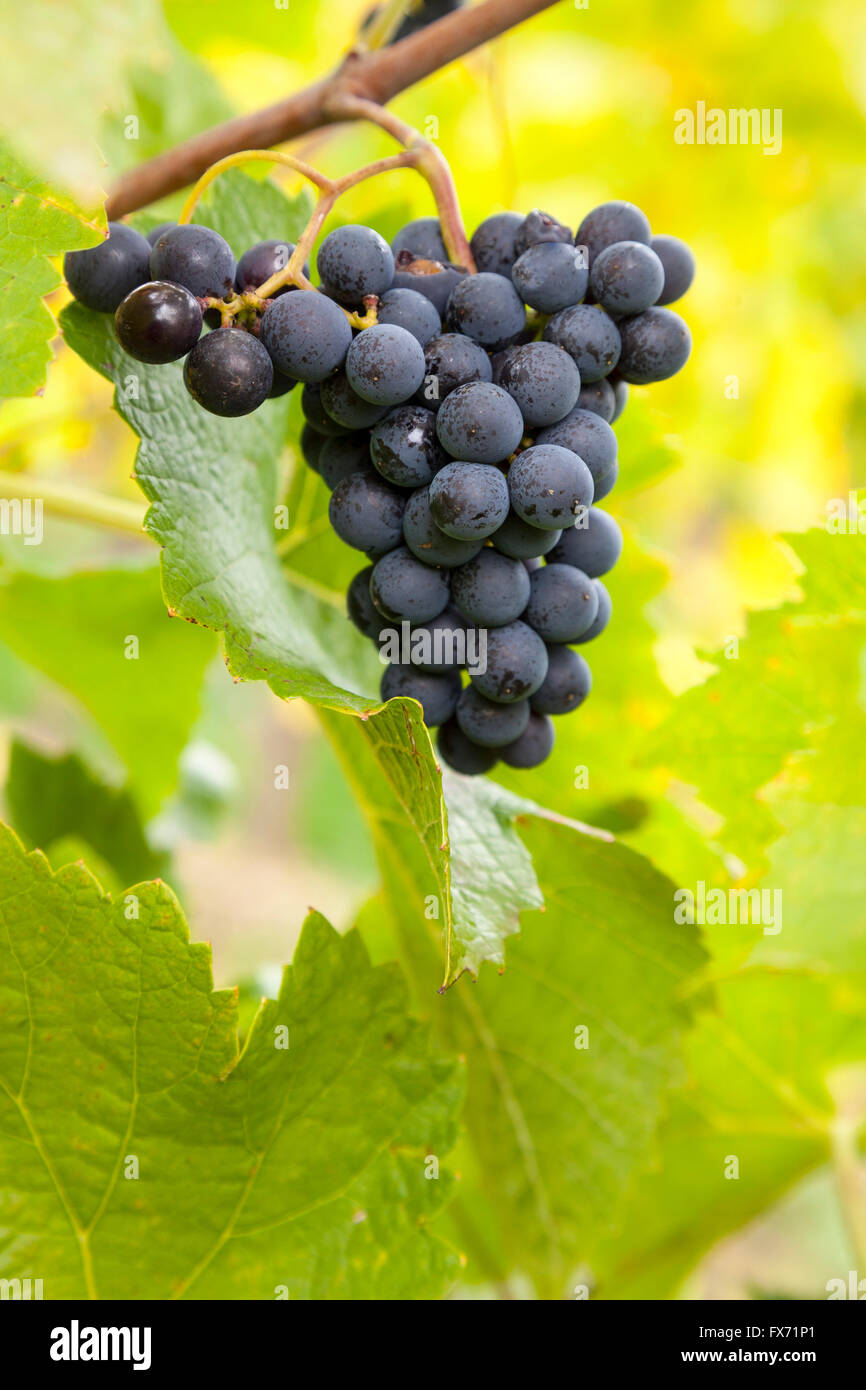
column 294, row 1168
column 766, row 1103
column 556, row 1131
column 36, row 222
column 52, row 800
column 786, row 693
column 76, row 629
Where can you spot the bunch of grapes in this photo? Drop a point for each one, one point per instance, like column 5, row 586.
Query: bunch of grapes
column 465, row 439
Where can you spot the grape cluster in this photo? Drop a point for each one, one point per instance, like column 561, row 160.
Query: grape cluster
column 466, row 439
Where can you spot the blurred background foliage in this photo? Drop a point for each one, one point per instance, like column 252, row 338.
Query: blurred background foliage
column 750, row 441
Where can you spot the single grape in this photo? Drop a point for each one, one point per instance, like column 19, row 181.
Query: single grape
column 437, row 695
column 492, row 243
column 551, row 276
column 385, row 364
column 626, row 278
column 593, row 440
column 311, row 445
column 566, row 685
column 539, row 228
column 479, row 422
column 542, row 379
column 402, row 587
column 103, row 275
column 440, row 644
column 158, row 322
column 412, row 311
column 228, row 372
column 367, row 513
column 593, row 545
column 605, row 608
column 517, row 539
column 427, row 542
column 487, row 724
column 679, row 266
column 614, row 221
column 345, row 406
column 655, row 345
column 196, row 257
column 549, row 486
column 488, row 309
column 306, row 334
column 589, row 335
column 433, row 279
column 598, row 396
column 469, row 500
column 315, row 413
column 516, row 663
column 355, row 261
column 404, row 447
column 620, row 395
column 534, row 746
column 343, row 455
column 281, row 386
column 451, row 360
column 460, row 754
column 155, row 233
column 490, row 590
column 360, row 607
column 263, row 260
column 423, row 237
column 563, row 603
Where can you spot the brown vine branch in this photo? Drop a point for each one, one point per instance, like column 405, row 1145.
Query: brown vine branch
column 371, row 76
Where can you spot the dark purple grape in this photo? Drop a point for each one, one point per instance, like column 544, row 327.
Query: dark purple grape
column 563, row 603
column 538, row 228
column 516, row 663
column 385, row 364
column 461, row 755
column 517, row 539
column 360, row 607
column 315, row 413
column 620, row 397
column 343, row 404
column 440, row 645
column 549, row 486
column 490, row 590
column 263, row 260
column 450, row 361
column 486, row 308
column 487, row 724
column 228, row 372
column 542, row 379
column 311, row 445
column 433, row 279
column 403, row 587
column 551, row 276
column 534, row 746
column 626, row 278
column 566, row 685
column 614, row 221
column 196, row 257
column 679, row 267
column 412, row 311
column 342, row 456
column 404, row 447
column 589, row 335
column 592, row 439
column 306, row 334
column 593, row 545
column 355, row 261
column 103, row 275
column 469, row 500
column 423, row 237
column 655, row 345
column 427, row 542
column 598, row 396
column 367, row 513
column 605, row 608
column 437, row 695
column 492, row 243
column 158, row 322
column 479, row 423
